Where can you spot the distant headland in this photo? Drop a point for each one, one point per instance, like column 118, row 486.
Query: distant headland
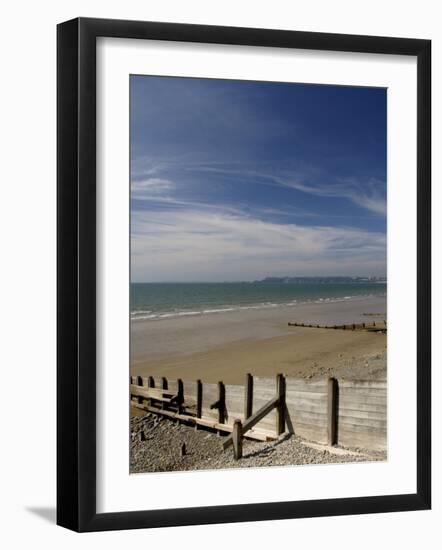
column 322, row 280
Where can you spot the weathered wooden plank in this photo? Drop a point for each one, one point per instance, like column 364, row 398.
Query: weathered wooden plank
column 210, row 395
column 361, row 424
column 377, row 442
column 363, row 392
column 308, row 416
column 347, row 399
column 356, row 431
column 262, row 380
column 294, row 385
column 348, row 408
column 374, row 384
column 305, row 425
column 150, row 393
column 264, row 389
column 264, row 386
column 234, row 401
column 189, row 389
column 308, row 406
column 172, row 385
column 294, row 396
column 348, row 414
column 292, row 381
column 205, row 421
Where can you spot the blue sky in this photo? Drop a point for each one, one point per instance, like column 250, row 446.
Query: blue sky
column 237, row 180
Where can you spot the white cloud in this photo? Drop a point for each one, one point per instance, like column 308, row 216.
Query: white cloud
column 151, row 185
column 195, row 245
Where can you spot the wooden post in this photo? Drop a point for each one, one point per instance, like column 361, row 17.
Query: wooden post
column 237, row 439
column 199, row 400
column 221, row 403
column 140, row 383
column 280, row 410
column 248, row 396
column 132, row 381
column 332, row 413
column 180, row 393
column 151, row 384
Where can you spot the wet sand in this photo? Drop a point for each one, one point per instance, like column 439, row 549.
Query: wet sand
column 225, row 346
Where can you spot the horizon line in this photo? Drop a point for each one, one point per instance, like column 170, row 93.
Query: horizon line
column 268, row 277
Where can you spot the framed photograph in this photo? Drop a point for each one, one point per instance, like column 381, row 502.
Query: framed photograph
column 243, row 274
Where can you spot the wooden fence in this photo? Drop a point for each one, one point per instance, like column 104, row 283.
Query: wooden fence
column 349, row 413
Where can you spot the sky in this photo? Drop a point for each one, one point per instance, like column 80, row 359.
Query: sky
column 237, row 180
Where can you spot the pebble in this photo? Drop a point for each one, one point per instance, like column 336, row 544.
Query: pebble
column 160, row 452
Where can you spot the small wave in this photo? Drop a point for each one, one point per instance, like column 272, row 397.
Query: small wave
column 141, row 312
column 220, row 310
column 140, row 315
column 143, row 317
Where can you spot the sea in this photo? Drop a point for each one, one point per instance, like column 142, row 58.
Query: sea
column 156, row 301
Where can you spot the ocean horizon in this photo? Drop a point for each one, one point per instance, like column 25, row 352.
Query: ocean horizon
column 170, row 300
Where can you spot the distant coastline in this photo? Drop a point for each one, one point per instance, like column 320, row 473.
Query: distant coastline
column 322, row 280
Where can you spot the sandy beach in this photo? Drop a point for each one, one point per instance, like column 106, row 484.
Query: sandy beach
column 225, row 346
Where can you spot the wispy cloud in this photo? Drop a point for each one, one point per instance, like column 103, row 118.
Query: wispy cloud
column 151, row 185
column 219, row 245
column 366, row 193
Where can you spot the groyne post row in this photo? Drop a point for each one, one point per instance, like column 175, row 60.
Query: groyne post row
column 376, row 327
column 352, row 413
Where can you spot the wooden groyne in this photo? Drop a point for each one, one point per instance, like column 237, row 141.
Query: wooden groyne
column 369, row 327
column 329, row 411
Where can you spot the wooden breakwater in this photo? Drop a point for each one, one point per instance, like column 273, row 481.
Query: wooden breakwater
column 369, row 327
column 351, row 413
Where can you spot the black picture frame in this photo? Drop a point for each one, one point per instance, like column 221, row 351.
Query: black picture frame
column 76, row 274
